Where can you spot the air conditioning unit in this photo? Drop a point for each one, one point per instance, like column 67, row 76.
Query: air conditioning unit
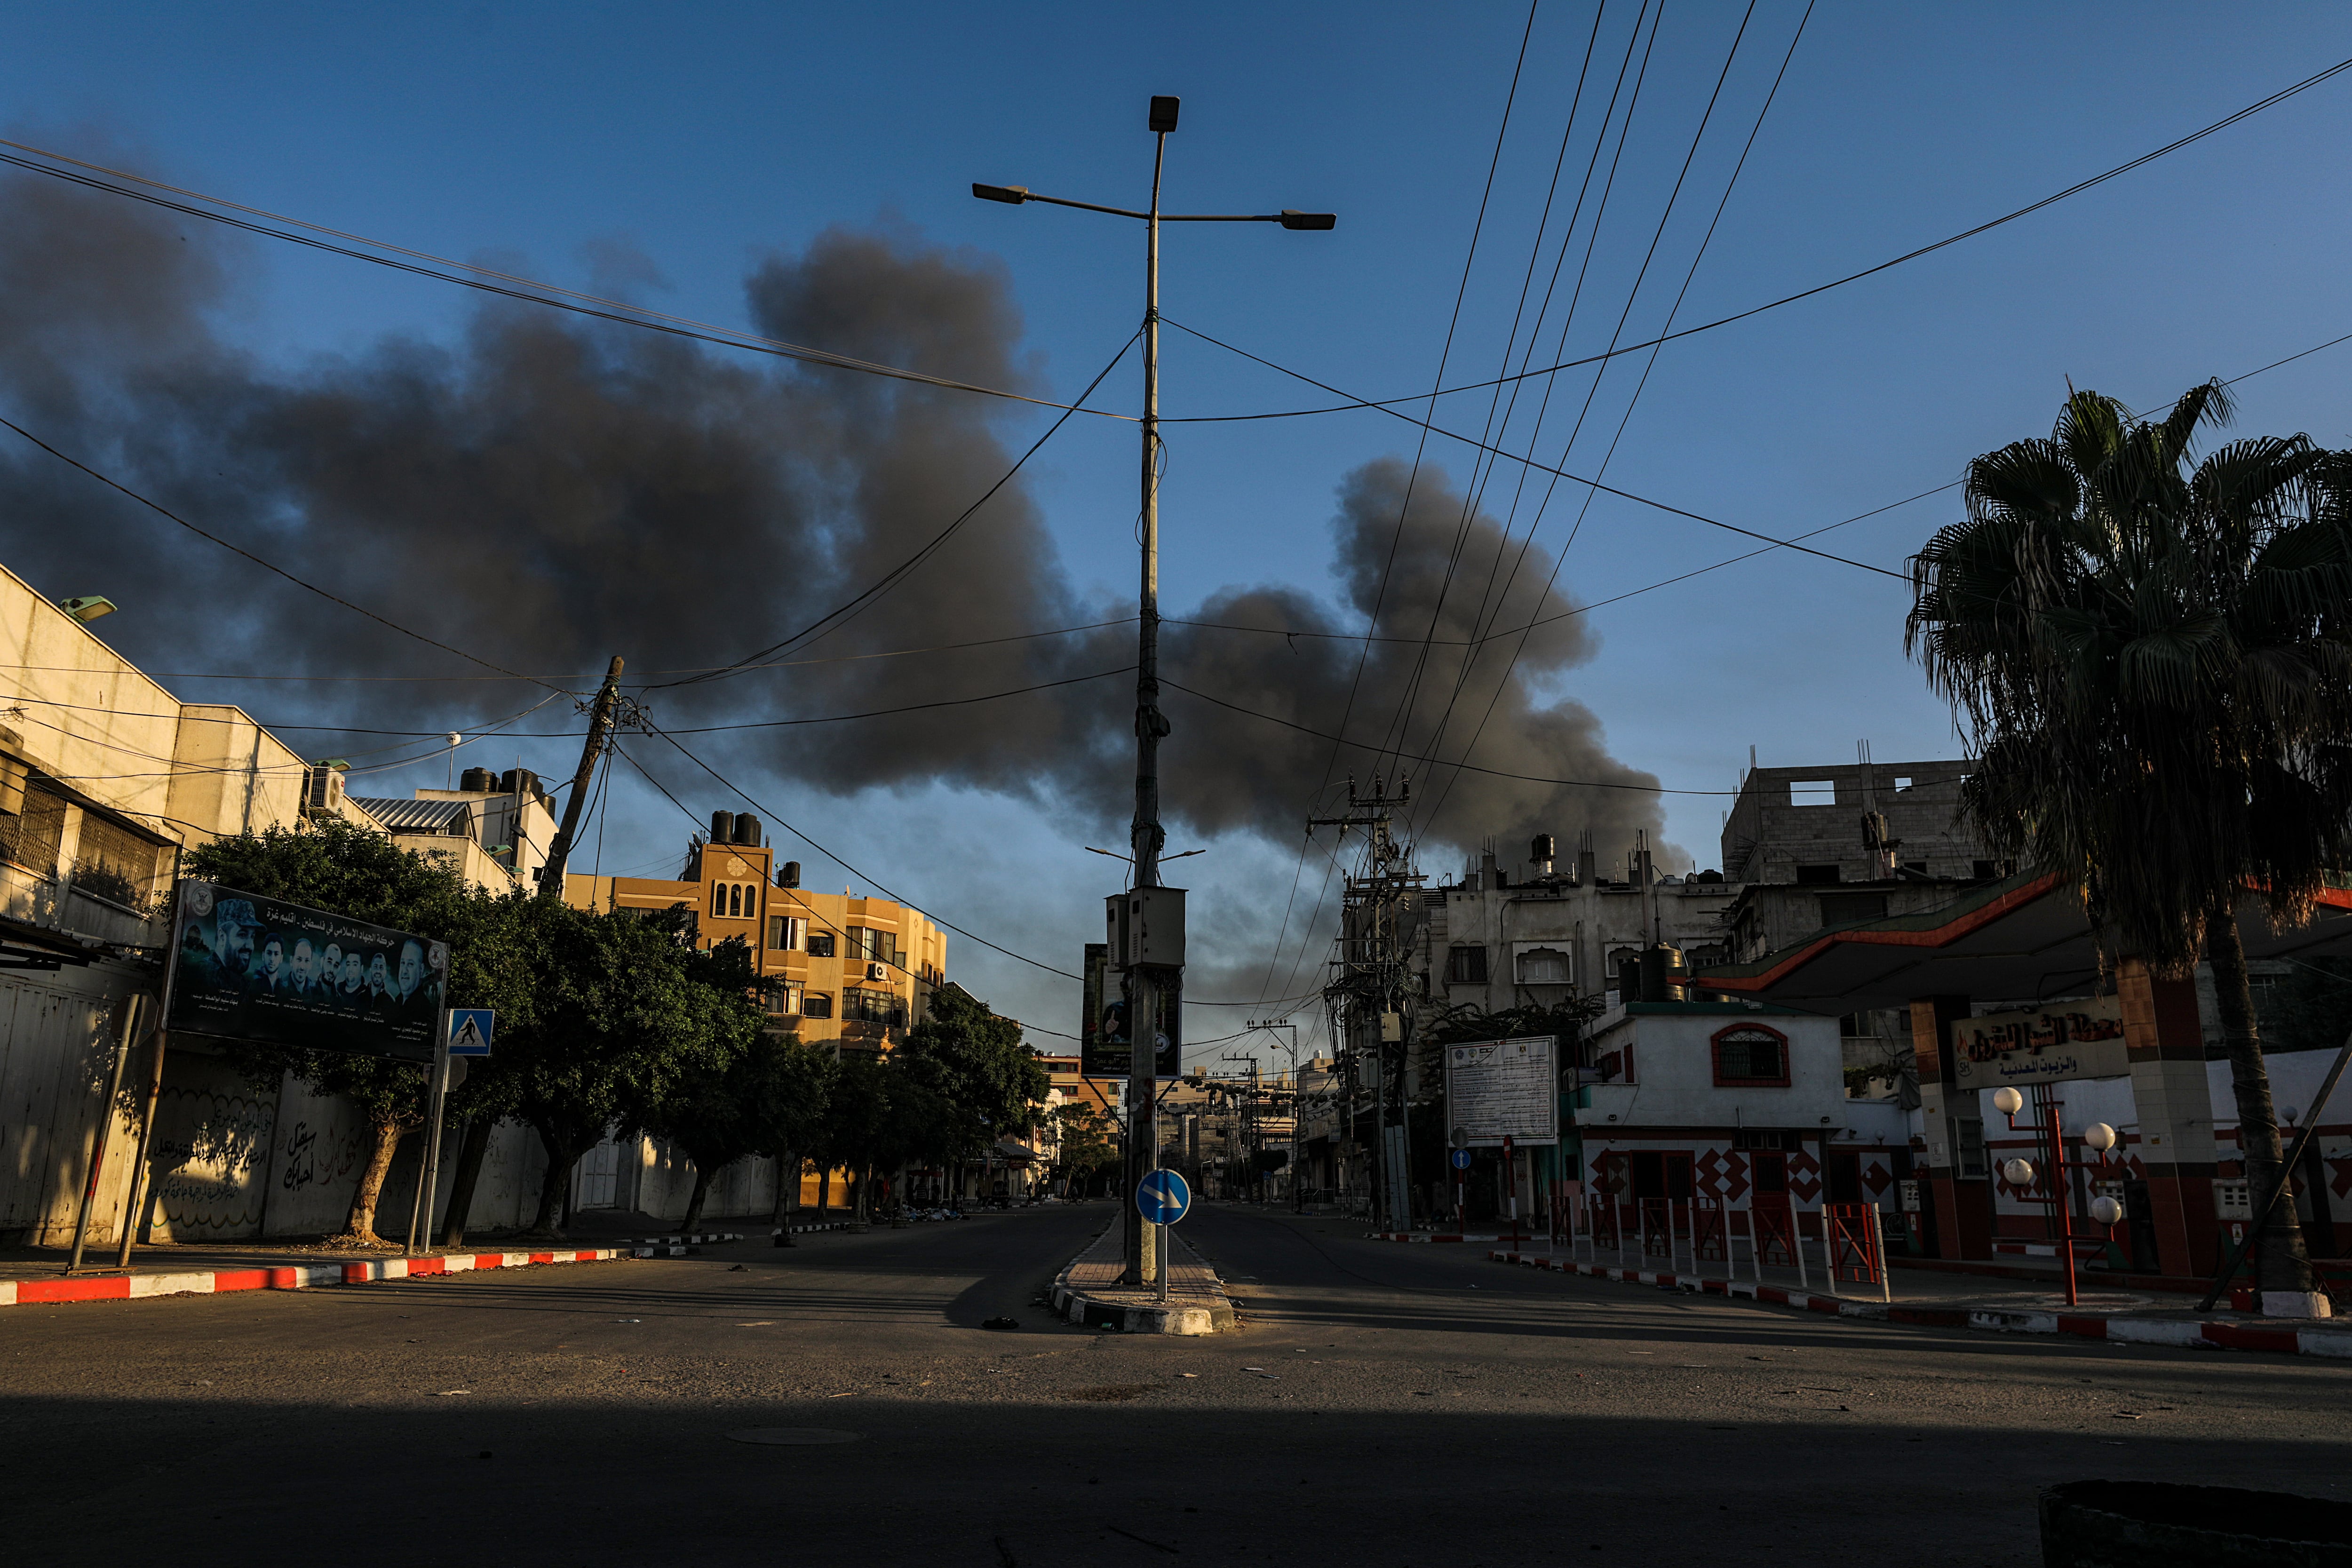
column 877, row 971
column 323, row 790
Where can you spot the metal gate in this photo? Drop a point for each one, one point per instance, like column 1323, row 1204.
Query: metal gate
column 596, row 1177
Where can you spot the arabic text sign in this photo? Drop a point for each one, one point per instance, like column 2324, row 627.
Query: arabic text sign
column 251, row 968
column 2041, row 1045
column 1498, row 1088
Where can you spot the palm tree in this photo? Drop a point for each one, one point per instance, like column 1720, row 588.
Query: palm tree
column 2154, row 665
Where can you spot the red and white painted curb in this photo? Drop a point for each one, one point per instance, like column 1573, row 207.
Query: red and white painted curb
column 2336, row 1344
column 1422, row 1236
column 121, row 1287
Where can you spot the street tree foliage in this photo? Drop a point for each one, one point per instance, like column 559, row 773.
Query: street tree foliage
column 985, row 1084
column 764, row 1098
column 365, row 876
column 627, row 1012
column 1087, row 1141
column 2151, row 658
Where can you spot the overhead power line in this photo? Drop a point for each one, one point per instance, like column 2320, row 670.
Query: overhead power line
column 1379, row 750
column 2076, row 189
column 530, row 291
column 163, row 511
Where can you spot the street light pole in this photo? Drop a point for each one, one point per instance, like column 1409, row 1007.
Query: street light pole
column 1144, row 983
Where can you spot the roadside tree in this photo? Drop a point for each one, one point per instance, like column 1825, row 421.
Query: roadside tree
column 2152, row 661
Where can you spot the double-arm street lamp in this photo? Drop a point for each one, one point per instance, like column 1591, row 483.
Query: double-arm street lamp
column 1147, row 972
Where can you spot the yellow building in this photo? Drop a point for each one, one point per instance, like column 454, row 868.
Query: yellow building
column 847, row 970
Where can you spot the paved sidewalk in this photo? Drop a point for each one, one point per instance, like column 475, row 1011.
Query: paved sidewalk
column 1088, row 1291
column 1954, row 1301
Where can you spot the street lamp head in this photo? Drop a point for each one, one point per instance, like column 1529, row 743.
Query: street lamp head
column 2019, row 1173
column 1017, row 195
column 1163, row 113
column 1308, row 220
column 2008, row 1101
column 2106, row 1211
column 2099, row 1137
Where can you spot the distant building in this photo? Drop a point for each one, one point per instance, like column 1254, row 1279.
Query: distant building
column 494, row 829
column 845, row 971
column 1808, row 825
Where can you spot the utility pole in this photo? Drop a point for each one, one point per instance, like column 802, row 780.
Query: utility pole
column 1366, row 994
column 600, row 726
column 1144, row 981
column 1298, row 1101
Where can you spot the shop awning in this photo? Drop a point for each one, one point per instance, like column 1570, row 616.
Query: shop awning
column 2022, row 939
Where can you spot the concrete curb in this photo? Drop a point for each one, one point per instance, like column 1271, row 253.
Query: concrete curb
column 1422, row 1236
column 811, row 1229
column 2200, row 1335
column 699, row 1239
column 216, row 1282
column 1072, row 1307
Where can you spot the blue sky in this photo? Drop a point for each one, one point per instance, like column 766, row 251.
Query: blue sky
column 700, row 138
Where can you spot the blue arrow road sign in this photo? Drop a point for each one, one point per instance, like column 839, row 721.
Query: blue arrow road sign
column 1163, row 1197
column 1462, row 1159
column 469, row 1031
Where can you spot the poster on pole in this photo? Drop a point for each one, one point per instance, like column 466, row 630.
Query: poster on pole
column 1503, row 1088
column 2054, row 1043
column 249, row 968
column 1104, row 1046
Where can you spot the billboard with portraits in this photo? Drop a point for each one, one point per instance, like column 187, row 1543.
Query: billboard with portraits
column 1106, row 1048
column 251, row 968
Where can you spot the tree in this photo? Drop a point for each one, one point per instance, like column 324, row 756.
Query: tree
column 992, row 1085
column 856, row 1120
column 2151, row 662
column 1088, row 1144
column 795, row 1120
column 721, row 1113
column 364, row 876
column 625, row 1010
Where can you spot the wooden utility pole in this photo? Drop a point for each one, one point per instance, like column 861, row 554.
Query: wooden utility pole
column 600, row 726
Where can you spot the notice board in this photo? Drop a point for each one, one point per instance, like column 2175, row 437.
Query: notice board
column 1498, row 1088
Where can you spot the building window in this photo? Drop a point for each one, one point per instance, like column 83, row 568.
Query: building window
column 863, row 1006
column 1848, row 909
column 1466, row 966
column 718, row 900
column 820, row 945
column 1813, row 876
column 869, row 945
column 783, row 999
column 787, row 933
column 1812, row 792
column 1984, row 871
column 1750, row 1055
column 30, row 836
column 1544, row 966
column 816, row 1004
column 113, row 863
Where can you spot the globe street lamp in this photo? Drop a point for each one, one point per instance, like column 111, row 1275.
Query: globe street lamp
column 2099, row 1138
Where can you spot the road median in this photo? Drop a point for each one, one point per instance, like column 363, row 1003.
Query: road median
column 1088, row 1292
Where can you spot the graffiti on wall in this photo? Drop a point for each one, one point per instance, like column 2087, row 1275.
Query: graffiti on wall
column 211, row 1146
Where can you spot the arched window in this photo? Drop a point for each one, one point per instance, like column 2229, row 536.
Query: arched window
column 718, row 900
column 735, row 900
column 1543, row 966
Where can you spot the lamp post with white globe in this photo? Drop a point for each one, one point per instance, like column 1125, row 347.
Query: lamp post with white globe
column 2099, row 1138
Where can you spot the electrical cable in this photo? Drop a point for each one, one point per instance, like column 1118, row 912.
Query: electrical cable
column 1396, row 537
column 1497, row 772
column 834, row 618
column 616, row 310
column 163, row 511
column 1560, row 559
column 2076, row 189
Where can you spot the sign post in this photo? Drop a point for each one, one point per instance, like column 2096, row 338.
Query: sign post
column 466, row 1032
column 1162, row 1198
column 1461, row 1160
column 1511, row 1186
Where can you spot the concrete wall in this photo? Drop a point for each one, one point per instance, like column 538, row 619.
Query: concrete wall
column 56, row 1044
column 1769, row 834
column 1674, row 1074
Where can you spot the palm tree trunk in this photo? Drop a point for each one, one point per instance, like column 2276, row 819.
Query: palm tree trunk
column 824, row 1187
column 2284, row 1264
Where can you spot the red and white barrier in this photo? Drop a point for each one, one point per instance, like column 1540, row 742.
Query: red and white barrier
column 121, row 1287
column 2335, row 1344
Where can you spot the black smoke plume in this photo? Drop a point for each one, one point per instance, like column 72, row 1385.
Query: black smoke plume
column 548, row 489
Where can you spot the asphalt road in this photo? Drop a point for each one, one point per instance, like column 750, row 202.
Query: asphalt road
column 1382, row 1404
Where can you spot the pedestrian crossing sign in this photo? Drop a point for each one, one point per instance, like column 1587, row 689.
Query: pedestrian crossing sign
column 469, row 1031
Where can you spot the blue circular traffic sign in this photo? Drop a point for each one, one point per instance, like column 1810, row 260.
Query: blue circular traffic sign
column 1163, row 1197
column 1462, row 1159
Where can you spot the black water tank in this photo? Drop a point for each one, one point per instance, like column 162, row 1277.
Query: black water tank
column 521, row 781
column 788, row 874
column 1540, row 850
column 476, row 781
column 747, row 829
column 722, row 826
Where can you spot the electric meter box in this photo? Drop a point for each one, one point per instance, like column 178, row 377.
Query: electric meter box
column 1145, row 928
